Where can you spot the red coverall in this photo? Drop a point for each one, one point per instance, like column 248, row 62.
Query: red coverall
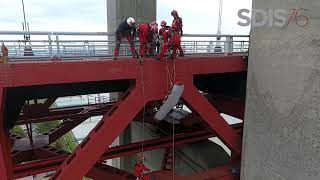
column 174, row 42
column 177, row 22
column 145, row 36
column 139, row 168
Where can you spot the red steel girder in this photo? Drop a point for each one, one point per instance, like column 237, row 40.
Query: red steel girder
column 232, row 106
column 41, row 73
column 122, row 150
column 102, row 136
column 218, row 173
column 46, row 153
column 49, row 102
column 155, row 85
column 153, row 75
column 103, row 172
column 5, row 149
column 65, row 113
column 63, row 128
column 213, row 118
column 22, row 156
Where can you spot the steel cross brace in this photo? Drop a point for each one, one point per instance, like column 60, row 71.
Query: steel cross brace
column 211, row 116
column 6, row 170
column 155, row 88
column 101, row 137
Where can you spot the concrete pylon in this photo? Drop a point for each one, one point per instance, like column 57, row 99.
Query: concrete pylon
column 281, row 129
column 141, row 10
column 117, row 11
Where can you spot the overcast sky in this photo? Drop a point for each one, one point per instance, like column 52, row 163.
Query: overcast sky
column 199, row 16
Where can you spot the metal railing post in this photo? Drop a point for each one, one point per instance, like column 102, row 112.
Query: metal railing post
column 58, row 46
column 229, row 44
column 50, row 46
column 242, row 46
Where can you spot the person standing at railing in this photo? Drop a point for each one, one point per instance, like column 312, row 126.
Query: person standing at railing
column 5, row 53
column 126, row 29
column 177, row 22
column 171, row 40
column 146, row 34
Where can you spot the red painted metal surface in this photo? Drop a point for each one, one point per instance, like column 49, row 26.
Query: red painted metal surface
column 5, row 154
column 213, row 118
column 64, row 113
column 228, row 105
column 103, row 172
column 101, row 137
column 122, row 150
column 63, row 128
column 218, row 173
column 155, row 76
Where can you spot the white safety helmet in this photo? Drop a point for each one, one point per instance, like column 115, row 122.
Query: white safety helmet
column 131, row 21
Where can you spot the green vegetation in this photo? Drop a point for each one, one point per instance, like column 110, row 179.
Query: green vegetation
column 17, row 130
column 46, row 126
column 67, row 142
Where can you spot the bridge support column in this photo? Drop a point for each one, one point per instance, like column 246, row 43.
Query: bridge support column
column 281, row 129
column 5, row 150
column 117, row 11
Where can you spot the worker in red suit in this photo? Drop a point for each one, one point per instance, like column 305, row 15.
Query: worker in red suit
column 171, row 40
column 164, row 34
column 177, row 21
column 140, row 170
column 5, row 53
column 146, row 37
column 126, row 29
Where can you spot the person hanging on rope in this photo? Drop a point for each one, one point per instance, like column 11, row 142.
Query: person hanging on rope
column 126, row 29
column 146, row 34
column 171, row 40
column 140, row 170
column 5, row 53
column 177, row 21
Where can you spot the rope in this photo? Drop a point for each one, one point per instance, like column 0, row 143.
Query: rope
column 173, row 125
column 144, row 105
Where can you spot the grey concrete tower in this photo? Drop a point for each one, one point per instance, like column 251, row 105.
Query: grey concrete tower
column 282, row 127
column 141, row 10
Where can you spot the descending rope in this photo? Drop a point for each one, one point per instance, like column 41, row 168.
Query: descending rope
column 144, row 105
column 173, row 126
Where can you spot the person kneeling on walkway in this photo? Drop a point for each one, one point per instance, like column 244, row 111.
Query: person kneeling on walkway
column 146, row 37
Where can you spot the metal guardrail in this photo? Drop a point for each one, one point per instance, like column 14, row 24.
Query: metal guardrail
column 101, row 44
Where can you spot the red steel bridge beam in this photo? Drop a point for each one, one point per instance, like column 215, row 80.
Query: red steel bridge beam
column 218, row 173
column 103, row 172
column 102, row 136
column 79, row 164
column 212, row 117
column 118, row 151
column 63, row 128
column 65, row 113
column 119, row 116
column 232, row 106
column 5, row 149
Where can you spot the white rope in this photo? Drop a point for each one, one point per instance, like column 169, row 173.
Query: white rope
column 173, row 125
column 144, row 106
